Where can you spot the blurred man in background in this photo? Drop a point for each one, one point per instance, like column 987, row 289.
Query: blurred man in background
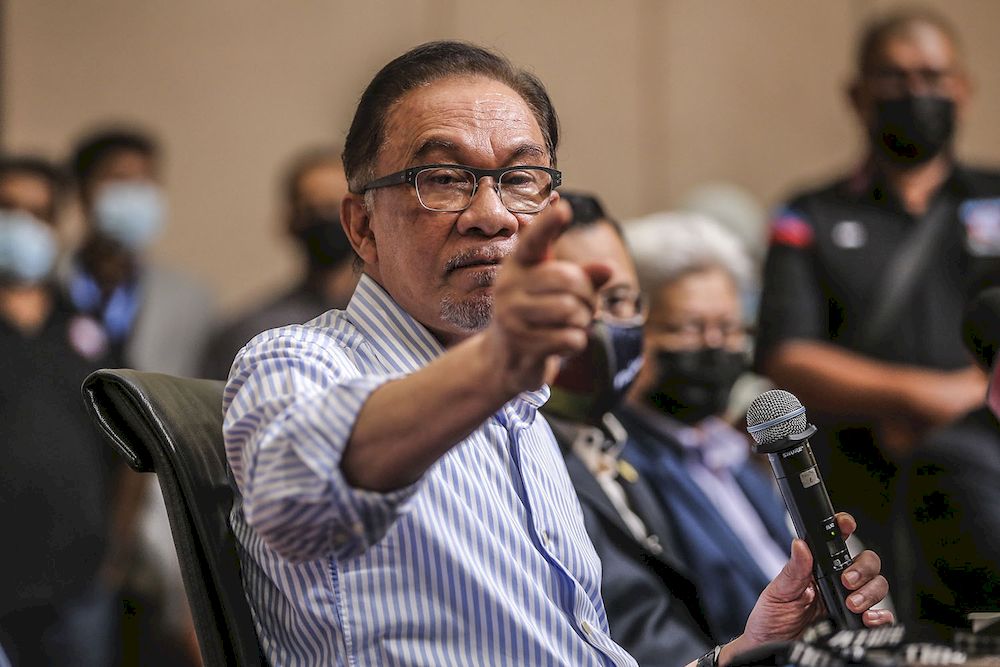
column 652, row 605
column 731, row 524
column 58, row 482
column 154, row 319
column 866, row 277
column 949, row 503
column 314, row 186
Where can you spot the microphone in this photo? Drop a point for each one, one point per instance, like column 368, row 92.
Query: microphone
column 776, row 420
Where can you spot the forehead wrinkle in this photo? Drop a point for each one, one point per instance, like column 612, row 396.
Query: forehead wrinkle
column 485, row 125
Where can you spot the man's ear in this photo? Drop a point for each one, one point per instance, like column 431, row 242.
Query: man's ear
column 855, row 97
column 356, row 223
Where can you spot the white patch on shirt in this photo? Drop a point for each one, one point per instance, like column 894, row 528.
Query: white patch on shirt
column 87, row 337
column 849, row 234
column 981, row 218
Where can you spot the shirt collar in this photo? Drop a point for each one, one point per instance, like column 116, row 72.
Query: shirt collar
column 599, row 447
column 403, row 343
column 868, row 183
column 712, row 441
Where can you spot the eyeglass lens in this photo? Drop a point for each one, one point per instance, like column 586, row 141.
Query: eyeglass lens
column 452, row 189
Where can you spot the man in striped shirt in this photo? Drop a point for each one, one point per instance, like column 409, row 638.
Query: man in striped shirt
column 400, row 500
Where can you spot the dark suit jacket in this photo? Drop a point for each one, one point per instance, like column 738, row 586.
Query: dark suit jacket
column 653, row 609
column 949, row 523
column 726, row 575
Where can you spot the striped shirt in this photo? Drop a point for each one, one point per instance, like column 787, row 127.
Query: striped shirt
column 483, row 561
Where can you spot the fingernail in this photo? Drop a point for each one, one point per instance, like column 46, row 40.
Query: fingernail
column 852, row 577
column 856, row 600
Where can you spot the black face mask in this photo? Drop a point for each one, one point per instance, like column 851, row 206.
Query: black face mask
column 595, row 381
column 323, row 239
column 694, row 384
column 911, row 130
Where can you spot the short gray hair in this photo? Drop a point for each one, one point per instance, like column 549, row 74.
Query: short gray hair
column 667, row 246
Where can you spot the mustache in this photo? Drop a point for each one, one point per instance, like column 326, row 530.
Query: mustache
column 492, row 254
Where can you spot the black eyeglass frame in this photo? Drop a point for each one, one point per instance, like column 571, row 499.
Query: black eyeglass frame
column 409, row 177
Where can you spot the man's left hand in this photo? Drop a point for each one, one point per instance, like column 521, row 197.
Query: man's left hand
column 790, row 603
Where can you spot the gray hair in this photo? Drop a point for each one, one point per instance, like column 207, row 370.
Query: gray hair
column 667, row 246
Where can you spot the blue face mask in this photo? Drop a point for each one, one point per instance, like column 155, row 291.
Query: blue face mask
column 133, row 214
column 596, row 380
column 28, row 248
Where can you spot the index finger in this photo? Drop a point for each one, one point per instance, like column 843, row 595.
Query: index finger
column 533, row 246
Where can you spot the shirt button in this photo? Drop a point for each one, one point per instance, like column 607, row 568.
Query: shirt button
column 588, row 629
column 543, row 535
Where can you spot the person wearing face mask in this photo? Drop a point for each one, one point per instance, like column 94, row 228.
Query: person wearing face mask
column 153, row 318
column 651, row 602
column 159, row 318
column 314, row 186
column 58, row 481
column 731, row 525
column 866, row 277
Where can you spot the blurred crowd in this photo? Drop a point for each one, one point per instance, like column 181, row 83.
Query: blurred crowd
column 874, row 298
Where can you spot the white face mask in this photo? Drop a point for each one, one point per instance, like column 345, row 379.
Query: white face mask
column 131, row 213
column 28, row 248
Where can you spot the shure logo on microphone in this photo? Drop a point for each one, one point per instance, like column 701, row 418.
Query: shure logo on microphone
column 791, row 452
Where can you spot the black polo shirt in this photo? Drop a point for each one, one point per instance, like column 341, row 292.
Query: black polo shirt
column 831, row 246
column 830, row 249
column 55, row 473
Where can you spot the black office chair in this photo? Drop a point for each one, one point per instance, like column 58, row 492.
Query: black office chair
column 173, row 426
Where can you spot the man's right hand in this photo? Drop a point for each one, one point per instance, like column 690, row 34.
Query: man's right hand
column 940, row 397
column 543, row 308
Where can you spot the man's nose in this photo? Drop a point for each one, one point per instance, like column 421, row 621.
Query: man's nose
column 486, row 214
column 714, row 337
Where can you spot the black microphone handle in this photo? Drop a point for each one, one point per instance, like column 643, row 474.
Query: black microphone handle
column 808, row 503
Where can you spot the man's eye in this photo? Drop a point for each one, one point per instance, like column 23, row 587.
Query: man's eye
column 446, row 178
column 517, row 179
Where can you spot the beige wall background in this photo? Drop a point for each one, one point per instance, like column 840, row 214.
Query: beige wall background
column 655, row 96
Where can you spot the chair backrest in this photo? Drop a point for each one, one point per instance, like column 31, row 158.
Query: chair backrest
column 173, row 426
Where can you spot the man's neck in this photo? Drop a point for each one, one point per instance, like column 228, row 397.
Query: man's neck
column 26, row 308
column 915, row 186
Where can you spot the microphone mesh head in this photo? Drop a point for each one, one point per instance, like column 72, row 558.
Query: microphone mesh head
column 774, row 404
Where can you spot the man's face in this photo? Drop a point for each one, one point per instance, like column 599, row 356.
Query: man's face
column 920, row 60
column 29, row 193
column 440, row 267
column 699, row 309
column 600, row 243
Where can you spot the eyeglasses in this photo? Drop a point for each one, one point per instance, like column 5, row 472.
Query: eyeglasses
column 622, row 306
column 897, row 80
column 693, row 333
column 450, row 188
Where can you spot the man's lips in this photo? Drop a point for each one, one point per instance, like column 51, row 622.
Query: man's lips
column 476, row 265
column 478, row 258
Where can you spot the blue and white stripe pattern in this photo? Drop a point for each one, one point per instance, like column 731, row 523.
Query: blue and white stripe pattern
column 483, row 561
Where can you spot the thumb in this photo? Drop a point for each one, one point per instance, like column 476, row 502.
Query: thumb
column 796, row 576
column 533, row 246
